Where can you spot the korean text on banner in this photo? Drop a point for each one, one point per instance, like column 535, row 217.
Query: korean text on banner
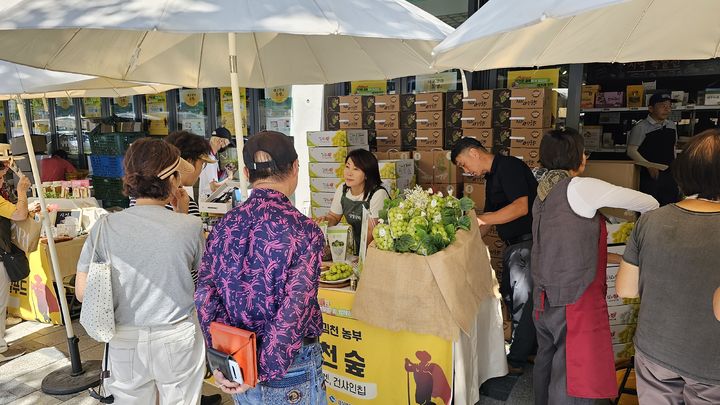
column 157, row 113
column 227, row 119
column 367, row 365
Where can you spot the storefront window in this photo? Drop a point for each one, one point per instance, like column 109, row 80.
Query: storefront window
column 66, row 128
column 14, row 116
column 123, row 107
column 277, row 111
column 40, row 117
column 91, row 113
column 156, row 112
column 192, row 111
column 225, row 109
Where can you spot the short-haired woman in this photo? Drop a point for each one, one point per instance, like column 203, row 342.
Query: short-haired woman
column 157, row 353
column 362, row 189
column 671, row 263
column 261, row 272
column 575, row 361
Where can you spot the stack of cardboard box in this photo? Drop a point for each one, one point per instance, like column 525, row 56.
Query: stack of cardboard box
column 436, row 171
column 397, row 174
column 483, row 115
column 351, row 112
column 327, row 151
column 531, row 117
column 622, row 313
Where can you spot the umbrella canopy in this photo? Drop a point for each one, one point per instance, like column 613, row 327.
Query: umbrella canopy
column 28, row 82
column 185, row 42
column 526, row 33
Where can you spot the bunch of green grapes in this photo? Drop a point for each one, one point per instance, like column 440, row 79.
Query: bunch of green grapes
column 383, row 238
column 452, row 202
column 396, row 215
column 388, row 171
column 439, row 230
column 434, row 209
column 623, row 233
column 340, row 138
column 338, row 271
column 417, row 220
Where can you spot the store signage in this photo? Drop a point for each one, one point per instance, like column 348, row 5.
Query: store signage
column 227, row 119
column 443, row 82
column 363, row 364
column 368, row 87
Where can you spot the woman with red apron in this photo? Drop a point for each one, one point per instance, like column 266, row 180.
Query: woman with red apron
column 575, row 362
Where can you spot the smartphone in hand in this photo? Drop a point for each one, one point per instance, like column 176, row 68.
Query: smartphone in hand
column 226, row 364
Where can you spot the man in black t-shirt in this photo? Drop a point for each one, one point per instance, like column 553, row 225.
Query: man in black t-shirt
column 510, row 191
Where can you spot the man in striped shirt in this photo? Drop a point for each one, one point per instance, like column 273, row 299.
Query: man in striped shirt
column 195, row 150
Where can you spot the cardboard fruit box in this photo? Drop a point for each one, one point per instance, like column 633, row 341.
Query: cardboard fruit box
column 527, row 137
column 357, row 104
column 531, row 98
column 387, row 120
column 531, row 118
column 321, row 199
column 391, row 138
column 424, row 162
column 429, row 139
column 394, row 169
column 326, row 170
column 429, row 101
column 387, row 103
column 444, row 171
column 429, row 120
column 530, row 156
column 324, row 185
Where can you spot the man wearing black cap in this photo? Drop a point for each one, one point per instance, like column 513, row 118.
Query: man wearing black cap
column 651, row 144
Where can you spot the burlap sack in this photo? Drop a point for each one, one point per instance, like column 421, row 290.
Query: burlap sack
column 438, row 294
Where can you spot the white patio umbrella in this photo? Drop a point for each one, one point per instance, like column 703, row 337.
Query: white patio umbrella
column 527, row 33
column 184, row 42
column 18, row 82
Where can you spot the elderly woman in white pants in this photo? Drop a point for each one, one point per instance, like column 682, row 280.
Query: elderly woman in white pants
column 157, row 354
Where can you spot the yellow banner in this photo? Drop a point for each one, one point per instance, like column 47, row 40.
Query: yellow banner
column 93, row 107
column 368, row 87
column 156, row 107
column 34, row 298
column 227, row 119
column 367, row 365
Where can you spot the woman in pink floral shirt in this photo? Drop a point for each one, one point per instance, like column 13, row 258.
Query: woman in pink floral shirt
column 260, row 272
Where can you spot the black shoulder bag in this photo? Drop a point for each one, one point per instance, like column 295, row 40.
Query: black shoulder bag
column 14, row 259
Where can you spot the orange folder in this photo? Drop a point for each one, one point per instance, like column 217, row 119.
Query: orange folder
column 241, row 345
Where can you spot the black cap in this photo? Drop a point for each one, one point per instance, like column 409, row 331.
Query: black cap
column 223, row 132
column 279, row 146
column 659, row 98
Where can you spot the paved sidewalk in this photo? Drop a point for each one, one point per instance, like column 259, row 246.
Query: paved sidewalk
column 46, row 347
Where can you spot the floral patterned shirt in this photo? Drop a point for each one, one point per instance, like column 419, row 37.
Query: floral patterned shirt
column 260, row 272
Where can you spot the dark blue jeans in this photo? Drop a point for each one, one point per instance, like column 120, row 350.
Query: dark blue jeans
column 303, row 384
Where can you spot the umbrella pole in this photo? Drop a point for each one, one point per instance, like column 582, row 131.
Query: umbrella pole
column 234, row 86
column 78, row 376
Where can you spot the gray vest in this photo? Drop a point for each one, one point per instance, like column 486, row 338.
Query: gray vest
column 565, row 248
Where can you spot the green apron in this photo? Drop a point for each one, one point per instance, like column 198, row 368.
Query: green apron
column 353, row 212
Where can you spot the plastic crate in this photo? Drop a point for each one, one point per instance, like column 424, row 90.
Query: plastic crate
column 114, row 143
column 107, row 166
column 106, row 188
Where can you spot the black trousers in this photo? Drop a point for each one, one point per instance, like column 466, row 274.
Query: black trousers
column 516, row 288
